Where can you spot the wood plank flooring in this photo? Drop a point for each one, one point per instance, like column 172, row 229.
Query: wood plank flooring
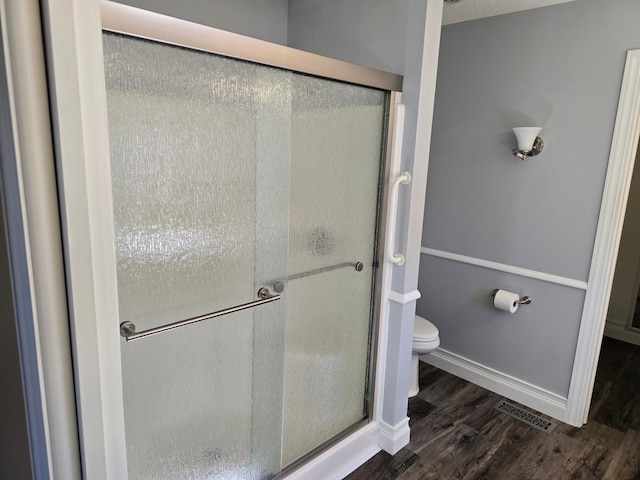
column 457, row 434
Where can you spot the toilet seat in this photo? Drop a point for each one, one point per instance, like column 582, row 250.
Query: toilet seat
column 425, row 335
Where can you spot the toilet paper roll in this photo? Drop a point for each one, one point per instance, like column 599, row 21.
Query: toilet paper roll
column 506, row 301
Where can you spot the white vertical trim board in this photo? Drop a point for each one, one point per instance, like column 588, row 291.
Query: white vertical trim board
column 523, row 272
column 56, row 448
column 420, row 155
column 542, row 400
column 22, row 313
column 73, row 35
column 608, row 234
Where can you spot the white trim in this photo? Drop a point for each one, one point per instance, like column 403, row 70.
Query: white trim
column 404, row 298
column 78, row 103
column 394, row 438
column 542, row 400
column 420, row 155
column 17, row 265
column 523, row 272
column 27, row 84
column 622, row 332
column 341, row 459
column 605, row 251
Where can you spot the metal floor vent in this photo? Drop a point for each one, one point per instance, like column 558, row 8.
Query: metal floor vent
column 525, row 416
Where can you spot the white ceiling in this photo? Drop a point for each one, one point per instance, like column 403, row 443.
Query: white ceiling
column 473, row 9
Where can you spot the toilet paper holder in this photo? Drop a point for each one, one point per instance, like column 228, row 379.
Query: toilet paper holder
column 526, row 300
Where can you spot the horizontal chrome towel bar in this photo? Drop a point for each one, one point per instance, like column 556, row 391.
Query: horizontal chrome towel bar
column 358, row 266
column 128, row 329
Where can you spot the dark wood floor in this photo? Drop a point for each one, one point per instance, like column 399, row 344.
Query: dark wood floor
column 457, row 434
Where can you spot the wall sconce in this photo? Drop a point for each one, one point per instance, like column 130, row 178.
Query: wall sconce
column 529, row 143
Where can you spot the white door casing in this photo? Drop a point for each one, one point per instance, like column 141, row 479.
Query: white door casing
column 605, row 252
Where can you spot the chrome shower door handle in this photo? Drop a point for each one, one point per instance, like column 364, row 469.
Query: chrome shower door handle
column 128, row 329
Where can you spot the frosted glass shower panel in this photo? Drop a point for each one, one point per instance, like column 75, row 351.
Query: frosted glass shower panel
column 229, row 176
column 337, row 138
column 182, row 147
column 191, row 171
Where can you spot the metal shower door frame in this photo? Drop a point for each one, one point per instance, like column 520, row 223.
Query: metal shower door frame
column 119, row 18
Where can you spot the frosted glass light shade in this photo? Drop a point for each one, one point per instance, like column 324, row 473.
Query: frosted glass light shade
column 526, row 136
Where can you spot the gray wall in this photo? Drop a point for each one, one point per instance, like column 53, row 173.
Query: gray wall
column 365, row 32
column 559, row 68
column 263, row 19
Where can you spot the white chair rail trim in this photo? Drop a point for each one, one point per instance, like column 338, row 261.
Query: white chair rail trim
column 523, row 272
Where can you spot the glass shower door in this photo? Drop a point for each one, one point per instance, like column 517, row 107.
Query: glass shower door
column 229, row 177
column 200, row 149
column 337, row 147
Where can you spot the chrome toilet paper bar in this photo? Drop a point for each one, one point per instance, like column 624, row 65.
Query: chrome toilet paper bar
column 526, row 300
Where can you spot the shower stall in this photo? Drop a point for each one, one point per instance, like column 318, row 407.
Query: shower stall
column 247, row 188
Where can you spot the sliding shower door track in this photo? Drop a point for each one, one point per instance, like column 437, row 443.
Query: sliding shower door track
column 140, row 23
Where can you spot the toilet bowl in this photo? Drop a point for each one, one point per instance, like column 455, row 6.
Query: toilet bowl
column 425, row 340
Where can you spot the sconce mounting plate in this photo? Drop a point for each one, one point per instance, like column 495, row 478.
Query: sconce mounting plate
column 538, row 145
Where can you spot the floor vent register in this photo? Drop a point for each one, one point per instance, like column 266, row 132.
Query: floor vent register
column 524, row 416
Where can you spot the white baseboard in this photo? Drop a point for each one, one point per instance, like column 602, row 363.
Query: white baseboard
column 529, row 395
column 620, row 332
column 343, row 458
column 393, row 438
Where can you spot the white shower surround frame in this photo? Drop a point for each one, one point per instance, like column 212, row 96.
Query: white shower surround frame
column 78, row 103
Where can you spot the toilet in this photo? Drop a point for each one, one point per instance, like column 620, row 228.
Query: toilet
column 425, row 340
